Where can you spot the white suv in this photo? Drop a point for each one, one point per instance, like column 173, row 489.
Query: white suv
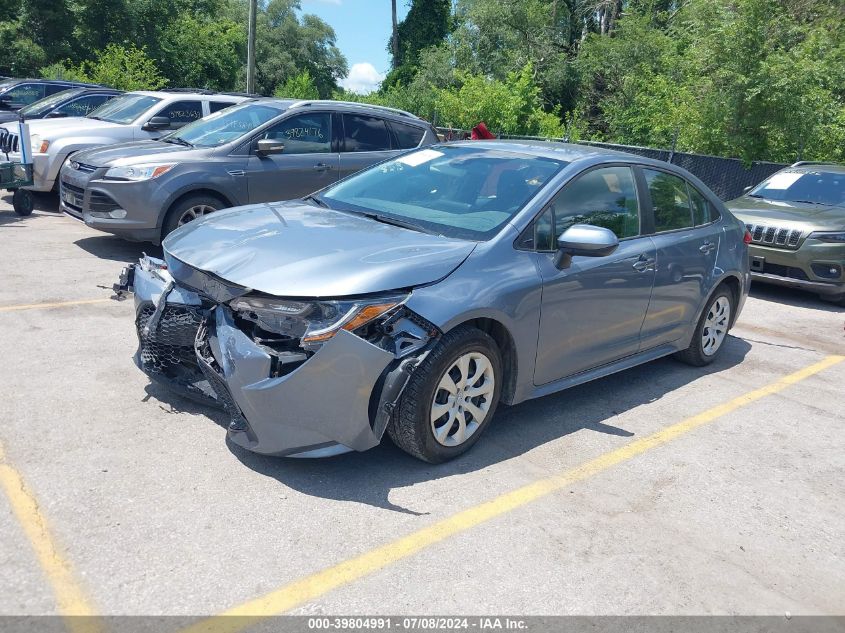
column 133, row 116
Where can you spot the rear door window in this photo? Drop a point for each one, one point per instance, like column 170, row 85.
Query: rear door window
column 670, row 201
column 702, row 211
column 304, row 133
column 182, row 112
column 407, row 136
column 365, row 134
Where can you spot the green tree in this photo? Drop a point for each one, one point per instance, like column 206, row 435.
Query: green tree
column 300, row 86
column 115, row 66
column 202, row 52
column 49, row 23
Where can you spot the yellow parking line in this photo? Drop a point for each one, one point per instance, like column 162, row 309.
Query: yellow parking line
column 320, row 583
column 70, row 597
column 58, row 304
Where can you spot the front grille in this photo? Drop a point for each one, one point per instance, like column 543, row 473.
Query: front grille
column 9, row 141
column 209, row 367
column 765, row 235
column 785, row 271
column 72, row 196
column 85, row 169
column 168, row 349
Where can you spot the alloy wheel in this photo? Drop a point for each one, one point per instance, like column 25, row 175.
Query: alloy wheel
column 462, row 399
column 197, row 211
column 715, row 326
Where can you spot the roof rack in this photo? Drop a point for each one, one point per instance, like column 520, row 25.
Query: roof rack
column 199, row 91
column 355, row 104
column 241, row 94
column 813, row 162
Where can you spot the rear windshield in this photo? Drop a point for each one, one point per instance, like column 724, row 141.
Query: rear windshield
column 457, row 191
column 226, row 125
column 817, row 187
column 123, row 109
column 48, row 103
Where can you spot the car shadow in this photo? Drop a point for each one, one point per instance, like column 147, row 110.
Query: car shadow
column 116, row 248
column 792, row 297
column 370, row 477
column 43, row 202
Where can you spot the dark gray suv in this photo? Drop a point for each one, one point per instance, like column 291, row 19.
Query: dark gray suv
column 261, row 150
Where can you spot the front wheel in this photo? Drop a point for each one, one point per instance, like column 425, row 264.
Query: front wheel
column 711, row 331
column 23, row 202
column 450, row 398
column 189, row 209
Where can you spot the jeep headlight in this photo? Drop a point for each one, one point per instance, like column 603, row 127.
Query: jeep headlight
column 39, row 145
column 139, row 172
column 834, row 237
column 314, row 322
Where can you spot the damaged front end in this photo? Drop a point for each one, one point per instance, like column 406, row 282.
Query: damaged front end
column 297, row 377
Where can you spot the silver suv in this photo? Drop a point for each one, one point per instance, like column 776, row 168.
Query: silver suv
column 130, row 117
column 259, row 151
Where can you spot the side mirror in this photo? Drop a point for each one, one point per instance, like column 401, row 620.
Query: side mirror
column 586, row 241
column 157, row 123
column 267, row 146
column 747, row 189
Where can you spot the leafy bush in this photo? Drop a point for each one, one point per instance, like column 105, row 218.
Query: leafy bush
column 115, row 66
column 300, row 86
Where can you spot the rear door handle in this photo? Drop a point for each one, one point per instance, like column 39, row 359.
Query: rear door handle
column 706, row 247
column 322, row 167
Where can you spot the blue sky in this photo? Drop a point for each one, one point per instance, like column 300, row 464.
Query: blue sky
column 363, row 31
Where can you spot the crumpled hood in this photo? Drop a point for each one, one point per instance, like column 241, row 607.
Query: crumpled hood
column 799, row 215
column 135, row 153
column 294, row 249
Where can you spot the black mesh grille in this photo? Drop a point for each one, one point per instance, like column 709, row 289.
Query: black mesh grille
column 785, row 271
column 168, row 349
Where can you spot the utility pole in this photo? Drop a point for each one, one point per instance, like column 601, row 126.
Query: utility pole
column 250, row 47
column 395, row 39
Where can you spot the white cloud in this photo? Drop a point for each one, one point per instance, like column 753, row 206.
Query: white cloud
column 363, row 78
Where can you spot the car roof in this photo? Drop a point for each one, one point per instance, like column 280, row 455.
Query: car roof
column 61, row 82
column 179, row 95
column 568, row 152
column 812, row 166
column 343, row 106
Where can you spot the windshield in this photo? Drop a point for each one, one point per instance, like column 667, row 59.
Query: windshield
column 226, row 125
column 123, row 109
column 819, row 187
column 48, row 103
column 457, row 191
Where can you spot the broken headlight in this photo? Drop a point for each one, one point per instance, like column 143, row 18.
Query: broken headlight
column 313, row 322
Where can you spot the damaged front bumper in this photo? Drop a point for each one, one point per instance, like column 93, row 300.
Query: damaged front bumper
column 309, row 404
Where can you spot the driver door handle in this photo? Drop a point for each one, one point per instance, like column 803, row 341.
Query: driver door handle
column 706, row 247
column 322, row 167
column 644, row 263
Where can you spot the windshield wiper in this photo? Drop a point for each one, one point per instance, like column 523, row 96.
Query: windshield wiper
column 810, row 202
column 317, row 201
column 176, row 141
column 754, row 195
column 386, row 219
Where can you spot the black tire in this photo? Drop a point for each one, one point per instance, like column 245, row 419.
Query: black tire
column 695, row 354
column 173, row 219
column 410, row 427
column 23, row 202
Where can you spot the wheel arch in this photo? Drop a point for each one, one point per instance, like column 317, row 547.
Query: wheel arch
column 507, row 348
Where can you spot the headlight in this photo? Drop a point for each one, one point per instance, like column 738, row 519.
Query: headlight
column 313, row 321
column 835, row 237
column 139, row 172
column 39, row 145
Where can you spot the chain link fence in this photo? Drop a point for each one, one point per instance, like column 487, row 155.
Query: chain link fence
column 726, row 177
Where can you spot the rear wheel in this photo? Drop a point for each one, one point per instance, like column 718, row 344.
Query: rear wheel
column 451, row 398
column 712, row 330
column 189, row 209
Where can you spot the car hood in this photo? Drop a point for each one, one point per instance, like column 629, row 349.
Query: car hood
column 68, row 126
column 294, row 249
column 798, row 215
column 133, row 153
